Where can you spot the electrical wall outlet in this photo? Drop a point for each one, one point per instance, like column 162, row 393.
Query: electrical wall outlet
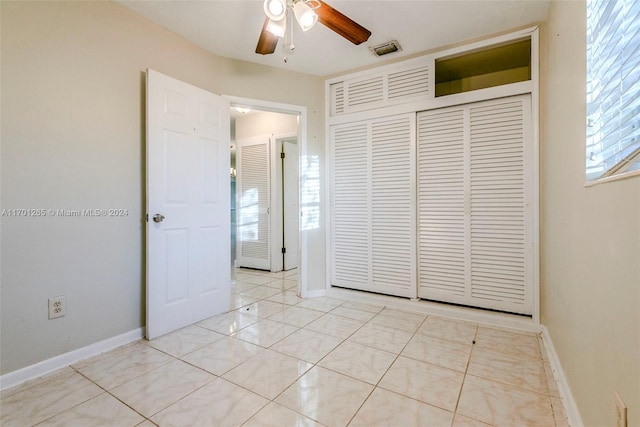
column 57, row 307
column 621, row 412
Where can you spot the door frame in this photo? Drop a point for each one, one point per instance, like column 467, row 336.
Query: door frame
column 277, row 197
column 301, row 112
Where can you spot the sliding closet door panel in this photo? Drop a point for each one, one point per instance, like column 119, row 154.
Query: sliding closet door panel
column 393, row 242
column 373, row 209
column 442, row 222
column 475, row 205
column 499, row 255
column 350, row 202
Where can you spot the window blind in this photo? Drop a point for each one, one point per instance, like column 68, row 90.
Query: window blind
column 613, row 87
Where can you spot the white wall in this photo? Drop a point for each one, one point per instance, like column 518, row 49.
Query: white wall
column 590, row 239
column 73, row 138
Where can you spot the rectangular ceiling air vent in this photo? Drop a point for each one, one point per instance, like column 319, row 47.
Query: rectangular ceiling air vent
column 386, row 48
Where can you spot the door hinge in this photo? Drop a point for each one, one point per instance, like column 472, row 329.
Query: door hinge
column 282, row 155
column 284, row 250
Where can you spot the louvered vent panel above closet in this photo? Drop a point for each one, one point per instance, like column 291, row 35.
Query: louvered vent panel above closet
column 391, row 85
column 498, row 201
column 441, row 203
column 363, row 92
column 337, row 97
column 350, row 201
column 408, row 83
column 392, row 207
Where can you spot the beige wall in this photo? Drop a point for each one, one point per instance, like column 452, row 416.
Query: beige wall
column 266, row 123
column 73, row 138
column 590, row 239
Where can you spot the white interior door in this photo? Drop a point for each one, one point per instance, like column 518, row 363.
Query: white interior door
column 188, row 236
column 291, row 204
column 253, row 203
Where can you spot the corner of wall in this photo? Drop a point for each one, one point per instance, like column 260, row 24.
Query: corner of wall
column 573, row 414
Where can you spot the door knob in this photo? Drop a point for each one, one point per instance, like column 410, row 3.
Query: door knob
column 158, row 218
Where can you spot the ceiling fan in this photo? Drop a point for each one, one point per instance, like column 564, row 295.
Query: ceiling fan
column 306, row 13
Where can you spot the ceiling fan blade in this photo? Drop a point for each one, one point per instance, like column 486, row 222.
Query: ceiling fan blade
column 341, row 24
column 267, row 42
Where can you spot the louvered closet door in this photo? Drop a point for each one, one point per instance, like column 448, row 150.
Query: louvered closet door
column 501, row 204
column 475, row 205
column 373, row 213
column 442, row 219
column 392, row 206
column 351, row 237
column 252, row 205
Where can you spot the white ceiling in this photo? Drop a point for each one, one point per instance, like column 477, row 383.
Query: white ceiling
column 230, row 28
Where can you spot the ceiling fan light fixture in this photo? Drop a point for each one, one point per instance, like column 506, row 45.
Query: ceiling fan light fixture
column 275, row 9
column 305, row 16
column 277, row 28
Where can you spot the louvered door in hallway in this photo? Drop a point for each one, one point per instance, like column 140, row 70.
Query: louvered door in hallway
column 253, row 203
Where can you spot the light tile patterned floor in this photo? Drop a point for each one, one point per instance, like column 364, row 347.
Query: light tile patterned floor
column 279, row 360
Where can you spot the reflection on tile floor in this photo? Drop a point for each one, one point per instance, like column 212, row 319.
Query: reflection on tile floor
column 278, row 360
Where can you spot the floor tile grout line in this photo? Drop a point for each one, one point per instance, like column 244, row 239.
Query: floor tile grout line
column 491, row 351
column 377, row 348
column 474, row 348
column 145, row 343
column 176, row 358
column 221, row 376
column 466, row 370
column 387, row 370
column 317, row 364
column 112, row 395
column 290, row 385
column 509, row 385
column 377, row 385
column 105, row 390
column 37, row 382
column 77, row 404
column 184, row 397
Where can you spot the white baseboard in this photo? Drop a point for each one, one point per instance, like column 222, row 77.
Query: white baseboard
column 568, row 401
column 46, row 366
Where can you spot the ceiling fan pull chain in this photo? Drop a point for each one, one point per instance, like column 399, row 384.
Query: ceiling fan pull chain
column 289, row 45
